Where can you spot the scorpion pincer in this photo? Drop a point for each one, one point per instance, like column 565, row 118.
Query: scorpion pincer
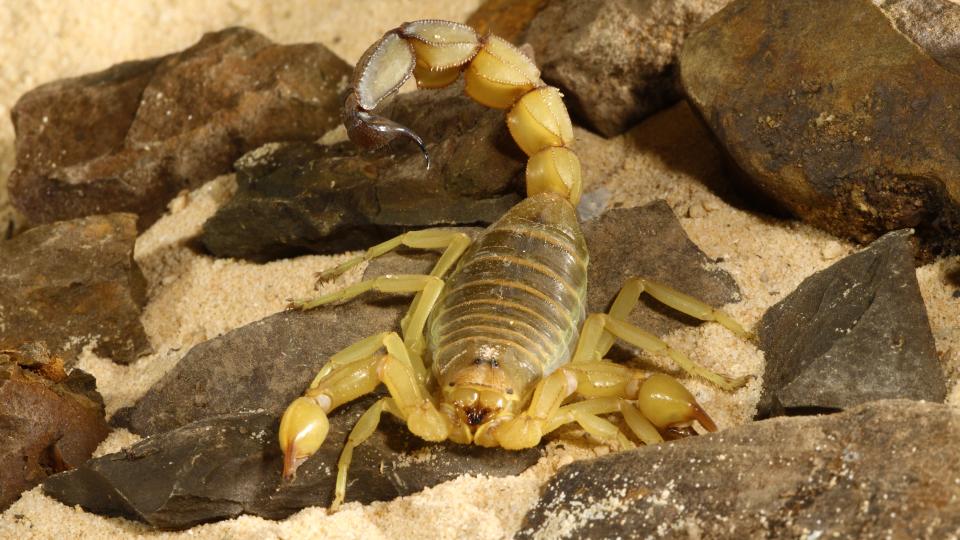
column 496, row 348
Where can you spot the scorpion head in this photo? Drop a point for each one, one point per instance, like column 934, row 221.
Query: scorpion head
column 477, row 395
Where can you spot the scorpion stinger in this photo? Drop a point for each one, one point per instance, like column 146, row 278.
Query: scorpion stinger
column 501, row 321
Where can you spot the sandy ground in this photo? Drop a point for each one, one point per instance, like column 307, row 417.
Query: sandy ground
column 193, row 298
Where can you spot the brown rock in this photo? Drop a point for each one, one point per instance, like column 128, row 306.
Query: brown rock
column 505, row 18
column 615, row 60
column 133, row 136
column 46, row 425
column 65, row 284
column 305, row 197
column 881, row 470
column 856, row 136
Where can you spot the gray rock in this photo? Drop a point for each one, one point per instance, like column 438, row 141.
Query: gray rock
column 65, row 284
column 305, row 197
column 853, row 333
column 931, row 24
column 881, row 470
column 615, row 60
column 131, row 137
column 855, row 136
column 262, row 366
column 649, row 242
column 226, row 465
column 49, row 421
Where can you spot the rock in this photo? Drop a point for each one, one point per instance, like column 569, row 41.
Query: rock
column 131, row 137
column 808, row 477
column 505, row 18
column 857, row 137
column 853, row 333
column 615, row 60
column 65, row 284
column 931, row 24
column 262, row 366
column 226, row 465
column 271, row 361
column 49, row 421
column 305, row 197
column 649, row 242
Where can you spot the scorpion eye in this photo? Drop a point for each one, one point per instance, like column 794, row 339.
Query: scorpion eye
column 494, row 363
column 477, row 361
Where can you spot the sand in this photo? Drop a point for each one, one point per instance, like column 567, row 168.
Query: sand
column 193, row 298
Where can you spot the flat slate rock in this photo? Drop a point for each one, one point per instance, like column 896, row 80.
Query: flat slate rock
column 881, row 470
column 131, row 137
column 311, row 198
column 223, row 466
column 855, row 332
column 49, row 421
column 856, row 136
column 262, row 366
column 615, row 60
column 65, row 284
column 266, row 364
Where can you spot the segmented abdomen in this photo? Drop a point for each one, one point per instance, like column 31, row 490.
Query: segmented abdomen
column 518, row 295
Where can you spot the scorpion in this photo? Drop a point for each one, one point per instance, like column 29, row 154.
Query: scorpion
column 496, row 348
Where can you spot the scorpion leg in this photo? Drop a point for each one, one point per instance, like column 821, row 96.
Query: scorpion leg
column 361, row 431
column 453, row 243
column 427, row 287
column 304, row 425
column 629, row 296
column 589, row 348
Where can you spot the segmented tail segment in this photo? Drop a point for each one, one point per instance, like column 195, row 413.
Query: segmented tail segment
column 497, row 75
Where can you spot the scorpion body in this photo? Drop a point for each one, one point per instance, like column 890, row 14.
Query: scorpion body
column 512, row 309
column 496, row 341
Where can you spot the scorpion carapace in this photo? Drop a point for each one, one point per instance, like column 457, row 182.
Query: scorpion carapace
column 496, row 348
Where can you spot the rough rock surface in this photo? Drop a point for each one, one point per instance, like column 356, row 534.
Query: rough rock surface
column 649, row 242
column 931, row 24
column 855, row 332
column 856, row 136
column 305, row 197
column 65, row 284
column 226, row 465
column 49, row 421
column 877, row 471
column 261, row 366
column 271, row 361
column 131, row 137
column 505, row 18
column 615, row 60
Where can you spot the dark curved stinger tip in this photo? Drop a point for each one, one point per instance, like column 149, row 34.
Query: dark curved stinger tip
column 389, row 129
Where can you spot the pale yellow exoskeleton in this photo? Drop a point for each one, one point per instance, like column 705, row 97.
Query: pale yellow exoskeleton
column 496, row 349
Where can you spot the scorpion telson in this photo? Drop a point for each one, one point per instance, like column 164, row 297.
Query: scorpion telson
column 496, row 348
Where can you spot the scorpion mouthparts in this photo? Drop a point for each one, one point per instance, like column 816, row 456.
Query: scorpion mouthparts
column 476, row 415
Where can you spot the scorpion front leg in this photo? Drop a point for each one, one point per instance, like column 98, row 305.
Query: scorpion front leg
column 305, row 425
column 650, row 406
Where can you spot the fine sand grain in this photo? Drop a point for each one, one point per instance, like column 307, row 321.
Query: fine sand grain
column 193, row 297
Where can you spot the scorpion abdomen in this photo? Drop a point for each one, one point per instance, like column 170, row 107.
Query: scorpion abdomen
column 516, row 299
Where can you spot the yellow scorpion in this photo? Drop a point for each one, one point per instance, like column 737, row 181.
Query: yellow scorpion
column 491, row 350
